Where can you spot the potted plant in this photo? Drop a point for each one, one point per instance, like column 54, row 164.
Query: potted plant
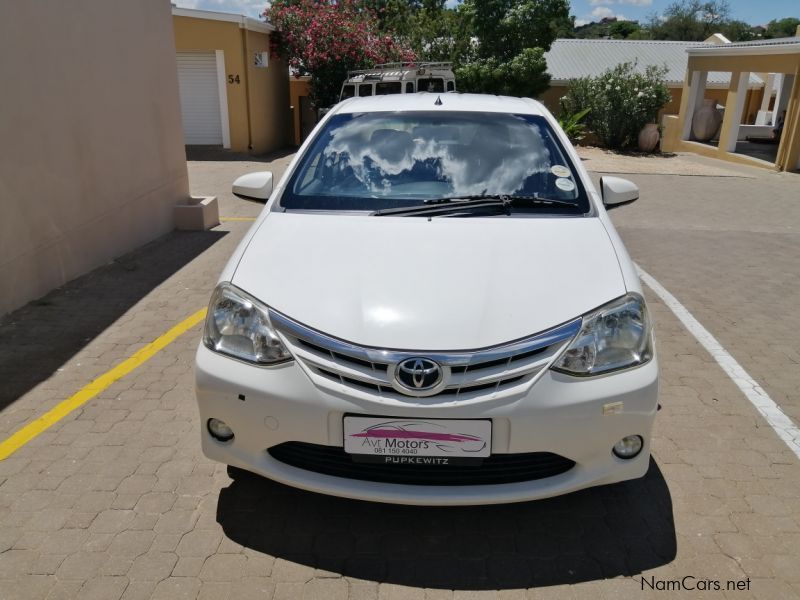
column 649, row 137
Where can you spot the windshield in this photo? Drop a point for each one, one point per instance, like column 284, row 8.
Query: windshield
column 375, row 161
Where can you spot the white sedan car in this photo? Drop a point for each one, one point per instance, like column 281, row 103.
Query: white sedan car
column 432, row 308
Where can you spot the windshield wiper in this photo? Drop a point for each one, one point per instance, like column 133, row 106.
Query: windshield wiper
column 455, row 203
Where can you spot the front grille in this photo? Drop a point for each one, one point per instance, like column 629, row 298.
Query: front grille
column 341, row 357
column 387, row 389
column 496, row 469
column 333, row 363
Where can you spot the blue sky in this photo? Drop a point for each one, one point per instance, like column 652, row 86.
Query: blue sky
column 756, row 13
column 750, row 11
column 251, row 8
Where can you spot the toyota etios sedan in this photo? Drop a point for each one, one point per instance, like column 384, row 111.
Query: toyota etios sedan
column 432, row 308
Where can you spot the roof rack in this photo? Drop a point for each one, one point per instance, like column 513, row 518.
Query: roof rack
column 399, row 66
column 415, row 65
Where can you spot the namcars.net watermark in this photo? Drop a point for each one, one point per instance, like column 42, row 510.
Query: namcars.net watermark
column 692, row 583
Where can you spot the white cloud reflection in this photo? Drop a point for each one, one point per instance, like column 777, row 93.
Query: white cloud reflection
column 458, row 157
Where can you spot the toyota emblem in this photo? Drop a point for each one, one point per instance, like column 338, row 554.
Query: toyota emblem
column 418, row 375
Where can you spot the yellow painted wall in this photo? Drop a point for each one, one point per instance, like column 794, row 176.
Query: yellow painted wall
column 264, row 126
column 670, row 136
column 551, row 96
column 674, row 105
column 270, row 114
column 205, row 34
column 720, row 95
column 753, row 105
column 297, row 88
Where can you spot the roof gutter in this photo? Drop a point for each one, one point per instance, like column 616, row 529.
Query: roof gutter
column 256, row 25
column 793, row 48
column 211, row 15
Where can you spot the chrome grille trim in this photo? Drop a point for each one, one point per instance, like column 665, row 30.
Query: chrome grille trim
column 371, row 370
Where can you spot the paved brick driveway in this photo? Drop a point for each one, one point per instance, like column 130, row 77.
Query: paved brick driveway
column 116, row 501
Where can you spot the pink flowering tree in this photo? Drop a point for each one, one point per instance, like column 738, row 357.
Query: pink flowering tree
column 325, row 39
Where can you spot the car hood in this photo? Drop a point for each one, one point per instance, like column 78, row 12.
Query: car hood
column 440, row 284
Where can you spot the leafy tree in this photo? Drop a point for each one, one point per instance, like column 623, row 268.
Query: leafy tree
column 618, row 30
column 505, row 27
column 641, row 34
column 778, row 28
column 565, row 28
column 523, row 75
column 622, row 30
column 594, row 30
column 394, row 16
column 497, row 46
column 510, row 38
column 737, row 31
column 441, row 34
column 690, row 20
column 326, row 39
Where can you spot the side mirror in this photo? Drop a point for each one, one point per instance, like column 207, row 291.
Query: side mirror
column 617, row 192
column 254, row 186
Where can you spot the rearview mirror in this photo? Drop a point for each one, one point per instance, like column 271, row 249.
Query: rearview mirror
column 617, row 191
column 254, row 186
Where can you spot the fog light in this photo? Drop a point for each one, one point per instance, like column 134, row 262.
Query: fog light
column 627, row 447
column 219, row 430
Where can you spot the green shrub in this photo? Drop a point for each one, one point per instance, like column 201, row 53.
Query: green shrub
column 620, row 102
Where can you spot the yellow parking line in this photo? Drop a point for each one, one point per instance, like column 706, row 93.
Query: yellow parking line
column 237, row 218
column 62, row 409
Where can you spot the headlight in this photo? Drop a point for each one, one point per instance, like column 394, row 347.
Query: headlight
column 238, row 325
column 615, row 336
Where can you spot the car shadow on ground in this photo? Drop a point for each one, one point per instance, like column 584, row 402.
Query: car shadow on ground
column 49, row 331
column 598, row 533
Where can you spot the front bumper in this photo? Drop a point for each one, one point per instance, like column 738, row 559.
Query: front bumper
column 559, row 414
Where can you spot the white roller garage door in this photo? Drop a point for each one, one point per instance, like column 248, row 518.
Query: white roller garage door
column 200, row 97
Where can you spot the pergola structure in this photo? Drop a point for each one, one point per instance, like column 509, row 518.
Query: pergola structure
column 777, row 62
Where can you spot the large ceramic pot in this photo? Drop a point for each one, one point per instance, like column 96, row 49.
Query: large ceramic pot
column 706, row 121
column 648, row 137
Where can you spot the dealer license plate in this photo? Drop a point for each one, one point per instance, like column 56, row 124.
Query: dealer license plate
column 382, row 437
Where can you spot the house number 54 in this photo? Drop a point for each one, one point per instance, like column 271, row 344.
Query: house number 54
column 233, row 79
